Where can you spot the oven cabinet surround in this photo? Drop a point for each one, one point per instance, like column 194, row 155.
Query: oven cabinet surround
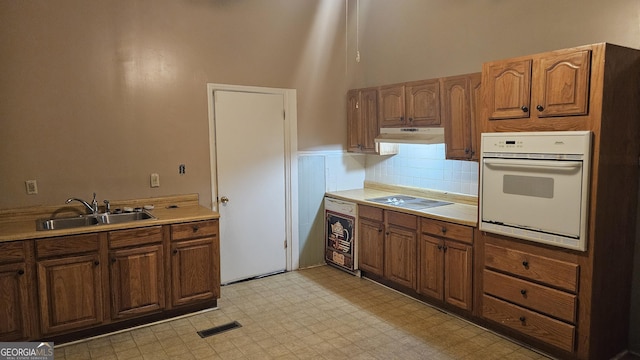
column 67, row 287
column 445, row 266
column 594, row 88
column 460, row 96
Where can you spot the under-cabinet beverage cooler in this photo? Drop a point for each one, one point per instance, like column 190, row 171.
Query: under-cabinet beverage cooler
column 340, row 234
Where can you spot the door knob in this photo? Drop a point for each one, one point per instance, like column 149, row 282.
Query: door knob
column 224, row 199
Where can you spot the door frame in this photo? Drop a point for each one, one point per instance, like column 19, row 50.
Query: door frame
column 290, row 159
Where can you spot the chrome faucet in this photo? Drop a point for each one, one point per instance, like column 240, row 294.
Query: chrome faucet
column 93, row 208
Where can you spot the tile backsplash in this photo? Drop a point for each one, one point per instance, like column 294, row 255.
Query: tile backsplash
column 423, row 166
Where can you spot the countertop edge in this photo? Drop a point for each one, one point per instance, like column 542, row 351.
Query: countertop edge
column 462, row 214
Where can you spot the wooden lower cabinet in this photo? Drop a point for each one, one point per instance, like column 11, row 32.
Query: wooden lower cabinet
column 136, row 269
column 192, row 271
column 195, row 269
column 400, row 255
column 14, row 302
column 371, row 246
column 137, row 281
column 70, row 292
column 445, row 271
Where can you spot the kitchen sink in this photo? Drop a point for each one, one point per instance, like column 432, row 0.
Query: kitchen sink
column 91, row 220
column 408, row 202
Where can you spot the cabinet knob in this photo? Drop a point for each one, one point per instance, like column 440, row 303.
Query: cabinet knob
column 540, row 107
column 466, row 151
column 439, row 247
column 445, row 248
column 113, row 260
column 410, row 120
column 175, row 251
column 20, row 272
column 401, row 118
column 387, row 233
column 444, row 230
column 522, row 319
column 523, row 292
column 525, row 263
column 380, row 230
column 524, row 108
column 195, row 228
column 96, row 263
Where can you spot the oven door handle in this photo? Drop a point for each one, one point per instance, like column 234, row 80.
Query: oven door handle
column 545, row 164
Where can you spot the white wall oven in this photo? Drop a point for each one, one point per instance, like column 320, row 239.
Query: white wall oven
column 535, row 186
column 340, row 234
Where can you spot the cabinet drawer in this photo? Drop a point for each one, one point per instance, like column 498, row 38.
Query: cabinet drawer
column 370, row 212
column 11, row 252
column 538, row 268
column 404, row 220
column 133, row 237
column 556, row 303
column 530, row 323
column 194, row 230
column 445, row 229
column 66, row 245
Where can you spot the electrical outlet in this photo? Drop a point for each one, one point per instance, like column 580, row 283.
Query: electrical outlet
column 32, row 187
column 155, row 180
column 182, row 169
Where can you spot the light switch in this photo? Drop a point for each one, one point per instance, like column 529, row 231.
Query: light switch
column 155, row 180
column 32, row 187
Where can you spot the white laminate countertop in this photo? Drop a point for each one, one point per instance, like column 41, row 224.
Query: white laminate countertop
column 457, row 212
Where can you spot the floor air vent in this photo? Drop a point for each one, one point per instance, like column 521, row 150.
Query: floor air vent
column 219, row 329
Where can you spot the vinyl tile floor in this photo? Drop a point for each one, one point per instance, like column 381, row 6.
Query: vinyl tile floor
column 317, row 313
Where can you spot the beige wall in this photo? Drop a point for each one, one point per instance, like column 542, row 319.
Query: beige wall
column 96, row 95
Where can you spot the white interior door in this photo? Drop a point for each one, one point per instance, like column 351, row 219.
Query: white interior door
column 250, row 158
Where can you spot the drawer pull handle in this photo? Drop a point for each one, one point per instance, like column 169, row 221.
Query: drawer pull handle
column 522, row 319
column 523, row 292
column 20, row 272
column 525, row 264
column 195, row 228
column 444, row 230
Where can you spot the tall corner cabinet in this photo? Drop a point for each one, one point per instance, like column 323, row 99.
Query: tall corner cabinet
column 572, row 304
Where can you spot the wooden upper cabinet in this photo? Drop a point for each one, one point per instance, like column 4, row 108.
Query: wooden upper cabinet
column 353, row 120
column 561, row 84
column 422, row 103
column 509, row 89
column 391, row 106
column 551, row 84
column 362, row 120
column 460, row 96
column 456, row 105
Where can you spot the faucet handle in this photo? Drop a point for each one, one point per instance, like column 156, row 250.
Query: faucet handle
column 107, row 206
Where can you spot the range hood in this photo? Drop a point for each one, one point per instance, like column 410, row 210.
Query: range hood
column 424, row 135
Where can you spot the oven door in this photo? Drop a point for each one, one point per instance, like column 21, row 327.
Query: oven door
column 546, row 198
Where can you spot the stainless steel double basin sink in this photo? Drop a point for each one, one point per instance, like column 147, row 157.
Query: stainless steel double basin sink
column 91, row 220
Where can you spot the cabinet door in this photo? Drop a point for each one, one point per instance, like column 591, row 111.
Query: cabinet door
column 508, row 90
column 476, row 87
column 400, row 256
column 70, row 293
column 423, row 103
column 430, row 268
column 195, row 274
column 137, row 281
column 371, row 246
column 391, row 106
column 561, row 84
column 369, row 120
column 14, row 303
column 457, row 117
column 458, row 274
column 353, row 120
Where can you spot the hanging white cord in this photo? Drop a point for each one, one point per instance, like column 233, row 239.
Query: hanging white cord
column 357, row 31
